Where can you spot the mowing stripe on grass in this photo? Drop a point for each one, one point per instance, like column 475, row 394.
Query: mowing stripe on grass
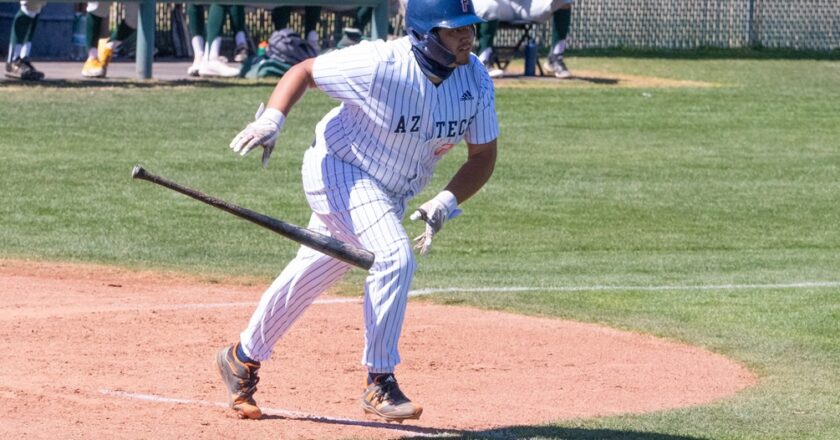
column 597, row 288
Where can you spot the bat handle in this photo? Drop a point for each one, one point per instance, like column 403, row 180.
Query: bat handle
column 138, row 172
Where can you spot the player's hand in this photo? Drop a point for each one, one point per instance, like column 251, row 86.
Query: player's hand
column 442, row 207
column 262, row 132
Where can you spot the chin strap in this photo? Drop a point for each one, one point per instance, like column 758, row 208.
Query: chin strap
column 433, row 58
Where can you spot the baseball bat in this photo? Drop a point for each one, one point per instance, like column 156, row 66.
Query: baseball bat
column 323, row 243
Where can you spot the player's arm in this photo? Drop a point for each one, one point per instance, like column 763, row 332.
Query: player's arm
column 269, row 120
column 470, row 177
column 475, row 172
column 292, row 86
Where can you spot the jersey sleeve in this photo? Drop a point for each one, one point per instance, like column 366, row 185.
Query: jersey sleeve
column 485, row 125
column 346, row 74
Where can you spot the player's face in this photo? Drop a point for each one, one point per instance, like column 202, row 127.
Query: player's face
column 459, row 41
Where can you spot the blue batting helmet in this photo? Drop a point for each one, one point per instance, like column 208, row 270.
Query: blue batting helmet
column 423, row 16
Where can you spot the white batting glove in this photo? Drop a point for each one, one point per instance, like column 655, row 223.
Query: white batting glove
column 262, row 132
column 442, row 207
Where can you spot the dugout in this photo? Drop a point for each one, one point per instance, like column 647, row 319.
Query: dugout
column 53, row 37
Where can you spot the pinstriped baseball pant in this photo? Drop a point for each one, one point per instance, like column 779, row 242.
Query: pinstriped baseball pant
column 350, row 206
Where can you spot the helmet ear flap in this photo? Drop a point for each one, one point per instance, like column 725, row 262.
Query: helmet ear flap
column 431, row 47
column 435, row 50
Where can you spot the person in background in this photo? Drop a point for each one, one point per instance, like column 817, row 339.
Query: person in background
column 198, row 39
column 362, row 17
column 207, row 59
column 101, row 47
column 20, row 43
column 561, row 23
column 486, row 35
column 281, row 15
column 561, row 17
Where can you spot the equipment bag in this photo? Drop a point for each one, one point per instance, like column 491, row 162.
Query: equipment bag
column 263, row 67
column 287, row 46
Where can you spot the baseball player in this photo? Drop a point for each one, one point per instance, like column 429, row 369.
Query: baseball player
column 493, row 11
column 562, row 22
column 207, row 59
column 100, row 50
column 20, row 44
column 403, row 105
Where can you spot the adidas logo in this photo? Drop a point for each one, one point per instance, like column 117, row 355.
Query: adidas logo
column 467, row 96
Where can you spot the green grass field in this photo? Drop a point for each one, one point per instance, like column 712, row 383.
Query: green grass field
column 596, row 185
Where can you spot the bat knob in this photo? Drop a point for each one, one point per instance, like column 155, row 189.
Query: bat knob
column 137, row 172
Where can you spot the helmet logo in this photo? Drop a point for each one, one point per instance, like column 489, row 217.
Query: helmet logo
column 465, row 5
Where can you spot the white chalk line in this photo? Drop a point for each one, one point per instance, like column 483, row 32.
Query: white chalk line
column 431, row 432
column 513, row 289
column 287, row 414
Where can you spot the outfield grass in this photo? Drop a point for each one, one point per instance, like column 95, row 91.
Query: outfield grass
column 596, row 185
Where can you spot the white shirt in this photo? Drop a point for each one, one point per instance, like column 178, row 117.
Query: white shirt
column 393, row 122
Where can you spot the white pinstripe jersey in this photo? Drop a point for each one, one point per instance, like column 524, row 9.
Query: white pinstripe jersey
column 393, row 122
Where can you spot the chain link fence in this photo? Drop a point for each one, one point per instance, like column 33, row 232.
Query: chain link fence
column 690, row 24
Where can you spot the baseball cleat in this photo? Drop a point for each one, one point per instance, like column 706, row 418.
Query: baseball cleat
column 557, row 66
column 496, row 73
column 217, row 68
column 241, row 380
column 241, row 53
column 22, row 69
column 93, row 69
column 194, row 68
column 384, row 398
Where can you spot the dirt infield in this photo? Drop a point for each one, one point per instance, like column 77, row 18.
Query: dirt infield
column 97, row 352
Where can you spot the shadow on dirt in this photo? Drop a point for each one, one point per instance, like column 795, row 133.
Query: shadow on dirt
column 554, row 432
column 511, row 432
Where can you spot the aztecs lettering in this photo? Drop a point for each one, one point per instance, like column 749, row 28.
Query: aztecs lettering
column 441, row 128
column 414, row 122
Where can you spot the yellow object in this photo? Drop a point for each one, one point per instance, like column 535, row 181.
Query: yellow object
column 102, row 43
column 105, row 57
column 93, row 68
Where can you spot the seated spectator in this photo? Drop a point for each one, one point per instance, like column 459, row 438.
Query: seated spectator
column 536, row 11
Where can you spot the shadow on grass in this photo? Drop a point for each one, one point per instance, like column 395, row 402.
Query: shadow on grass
column 137, row 84
column 550, row 78
column 554, row 432
column 593, row 80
